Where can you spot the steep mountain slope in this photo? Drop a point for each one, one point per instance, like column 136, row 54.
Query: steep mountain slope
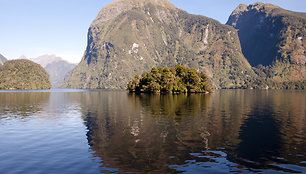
column 2, row 59
column 23, row 74
column 56, row 67
column 129, row 37
column 273, row 37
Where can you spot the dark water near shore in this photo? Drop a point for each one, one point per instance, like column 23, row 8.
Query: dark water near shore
column 71, row 131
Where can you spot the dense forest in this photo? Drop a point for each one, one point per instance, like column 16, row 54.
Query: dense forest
column 23, row 74
column 175, row 80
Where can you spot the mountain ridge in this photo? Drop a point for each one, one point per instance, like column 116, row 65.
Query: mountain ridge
column 133, row 40
column 265, row 21
column 46, row 59
column 273, row 40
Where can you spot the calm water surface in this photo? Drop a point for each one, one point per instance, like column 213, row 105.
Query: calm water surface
column 74, row 131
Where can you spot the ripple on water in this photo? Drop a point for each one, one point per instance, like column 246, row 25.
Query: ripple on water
column 49, row 141
column 238, row 131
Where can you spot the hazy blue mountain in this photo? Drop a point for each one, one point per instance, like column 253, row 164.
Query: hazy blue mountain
column 56, row 67
column 46, row 59
column 58, row 70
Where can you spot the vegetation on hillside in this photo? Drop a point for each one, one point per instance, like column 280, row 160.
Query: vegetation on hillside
column 140, row 36
column 280, row 75
column 272, row 40
column 23, row 74
column 175, row 80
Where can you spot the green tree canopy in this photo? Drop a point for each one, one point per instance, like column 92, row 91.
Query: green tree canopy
column 175, row 80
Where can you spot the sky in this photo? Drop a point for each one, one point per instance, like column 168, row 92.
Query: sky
column 36, row 27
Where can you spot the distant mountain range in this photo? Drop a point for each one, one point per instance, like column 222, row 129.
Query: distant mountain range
column 58, row 70
column 46, row 59
column 130, row 37
column 55, row 66
column 2, row 59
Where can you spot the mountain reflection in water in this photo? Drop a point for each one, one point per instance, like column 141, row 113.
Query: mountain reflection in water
column 229, row 130
column 100, row 131
column 22, row 104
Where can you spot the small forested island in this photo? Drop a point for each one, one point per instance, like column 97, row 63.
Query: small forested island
column 23, row 74
column 175, row 80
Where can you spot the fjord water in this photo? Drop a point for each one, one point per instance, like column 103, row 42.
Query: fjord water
column 74, row 131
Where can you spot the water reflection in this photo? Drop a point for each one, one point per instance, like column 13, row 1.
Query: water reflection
column 229, row 131
column 43, row 132
column 273, row 134
column 260, row 140
column 22, row 105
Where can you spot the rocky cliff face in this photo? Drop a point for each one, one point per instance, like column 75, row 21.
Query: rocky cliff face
column 129, row 37
column 2, row 59
column 273, row 37
column 23, row 74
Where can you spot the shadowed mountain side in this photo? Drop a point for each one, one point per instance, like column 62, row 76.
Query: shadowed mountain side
column 275, row 38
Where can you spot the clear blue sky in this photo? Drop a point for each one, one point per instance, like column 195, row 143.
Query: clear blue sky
column 36, row 27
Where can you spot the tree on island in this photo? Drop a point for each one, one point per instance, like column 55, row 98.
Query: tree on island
column 175, row 80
